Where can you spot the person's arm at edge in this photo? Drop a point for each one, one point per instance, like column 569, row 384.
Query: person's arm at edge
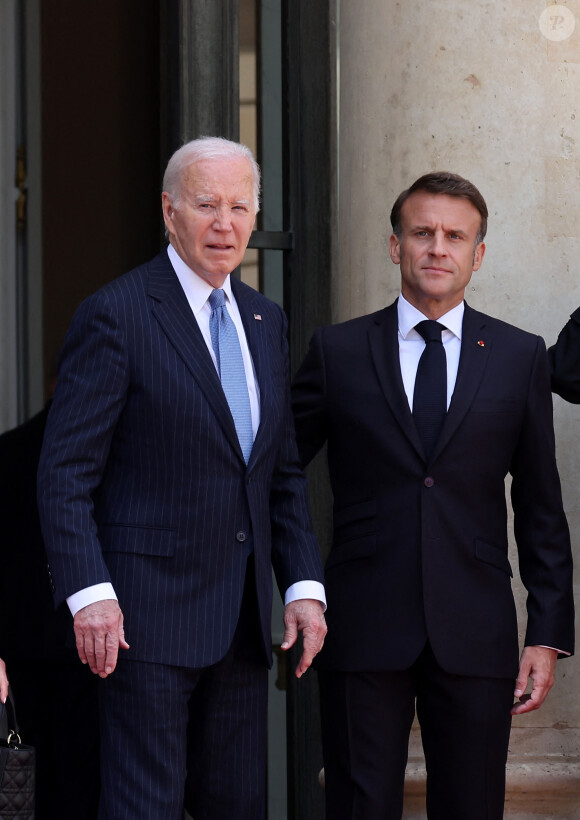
column 564, row 358
column 3, row 682
column 536, row 496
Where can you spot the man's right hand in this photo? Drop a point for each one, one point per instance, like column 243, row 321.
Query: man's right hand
column 99, row 635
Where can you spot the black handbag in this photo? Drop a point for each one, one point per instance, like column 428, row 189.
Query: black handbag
column 17, row 768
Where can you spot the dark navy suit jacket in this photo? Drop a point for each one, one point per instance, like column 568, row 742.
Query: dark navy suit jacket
column 420, row 547
column 142, row 481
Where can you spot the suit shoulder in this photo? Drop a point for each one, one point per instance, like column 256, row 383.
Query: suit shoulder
column 243, row 291
column 131, row 285
column 504, row 330
column 353, row 327
column 351, row 331
column 246, row 294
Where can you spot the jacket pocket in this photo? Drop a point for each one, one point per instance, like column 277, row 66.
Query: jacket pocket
column 495, row 556
column 130, row 538
column 355, row 512
column 362, row 547
column 496, row 406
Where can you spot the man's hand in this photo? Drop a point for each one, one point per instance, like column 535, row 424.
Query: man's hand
column 539, row 664
column 99, row 635
column 3, row 682
column 306, row 615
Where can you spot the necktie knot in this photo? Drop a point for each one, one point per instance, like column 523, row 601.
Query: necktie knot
column 430, row 330
column 217, row 298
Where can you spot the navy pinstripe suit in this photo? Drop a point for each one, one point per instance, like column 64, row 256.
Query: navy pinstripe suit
column 142, row 481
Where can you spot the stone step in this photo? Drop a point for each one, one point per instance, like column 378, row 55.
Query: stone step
column 537, row 788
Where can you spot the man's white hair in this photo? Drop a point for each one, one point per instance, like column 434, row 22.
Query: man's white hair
column 207, row 148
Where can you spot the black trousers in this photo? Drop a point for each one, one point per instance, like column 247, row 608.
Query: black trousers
column 366, row 720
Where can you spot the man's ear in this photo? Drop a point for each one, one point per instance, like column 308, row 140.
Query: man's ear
column 168, row 211
column 395, row 248
column 478, row 255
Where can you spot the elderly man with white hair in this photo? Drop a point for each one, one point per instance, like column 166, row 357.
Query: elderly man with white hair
column 169, row 486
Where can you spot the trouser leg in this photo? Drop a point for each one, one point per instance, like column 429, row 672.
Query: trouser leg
column 144, row 712
column 465, row 727
column 366, row 721
column 228, row 727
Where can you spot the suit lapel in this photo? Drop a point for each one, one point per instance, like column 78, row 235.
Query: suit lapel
column 476, row 343
column 384, row 345
column 475, row 349
column 172, row 311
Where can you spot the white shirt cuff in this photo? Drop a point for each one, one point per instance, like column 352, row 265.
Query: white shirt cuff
column 306, row 589
column 559, row 651
column 90, row 595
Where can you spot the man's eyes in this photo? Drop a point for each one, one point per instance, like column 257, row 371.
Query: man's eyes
column 449, row 236
column 205, row 206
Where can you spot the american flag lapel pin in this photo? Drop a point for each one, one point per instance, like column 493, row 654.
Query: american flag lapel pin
column 258, row 317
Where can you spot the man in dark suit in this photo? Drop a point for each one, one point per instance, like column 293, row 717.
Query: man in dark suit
column 422, row 428
column 173, row 485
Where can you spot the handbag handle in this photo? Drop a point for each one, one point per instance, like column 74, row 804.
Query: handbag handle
column 9, row 730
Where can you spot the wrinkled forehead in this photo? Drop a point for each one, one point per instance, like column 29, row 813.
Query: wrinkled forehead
column 225, row 178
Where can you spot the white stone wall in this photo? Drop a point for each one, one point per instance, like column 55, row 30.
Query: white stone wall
column 480, row 90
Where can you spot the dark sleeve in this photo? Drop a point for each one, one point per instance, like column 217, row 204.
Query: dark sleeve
column 295, row 554
column 565, row 361
column 90, row 395
column 540, row 526
column 309, row 401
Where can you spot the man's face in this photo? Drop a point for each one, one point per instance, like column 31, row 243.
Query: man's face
column 437, row 251
column 210, row 225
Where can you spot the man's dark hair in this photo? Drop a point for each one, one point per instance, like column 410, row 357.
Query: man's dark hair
column 442, row 182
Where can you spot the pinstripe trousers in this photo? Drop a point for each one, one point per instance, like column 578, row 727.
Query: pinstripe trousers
column 167, row 730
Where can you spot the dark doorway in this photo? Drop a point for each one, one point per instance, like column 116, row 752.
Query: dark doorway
column 100, row 129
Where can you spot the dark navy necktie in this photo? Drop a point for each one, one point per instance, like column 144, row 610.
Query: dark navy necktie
column 430, row 394
column 226, row 345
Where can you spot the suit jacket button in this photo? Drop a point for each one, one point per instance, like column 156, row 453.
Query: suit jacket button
column 241, row 536
column 429, row 482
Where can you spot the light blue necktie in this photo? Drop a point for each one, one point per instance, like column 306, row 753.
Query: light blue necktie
column 226, row 345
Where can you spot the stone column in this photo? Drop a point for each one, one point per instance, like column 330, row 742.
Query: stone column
column 492, row 93
column 200, row 73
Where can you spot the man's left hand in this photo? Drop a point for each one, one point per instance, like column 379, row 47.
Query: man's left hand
column 539, row 664
column 306, row 615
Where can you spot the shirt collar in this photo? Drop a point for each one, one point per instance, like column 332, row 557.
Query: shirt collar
column 196, row 289
column 409, row 316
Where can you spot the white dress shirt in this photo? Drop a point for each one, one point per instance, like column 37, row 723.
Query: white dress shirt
column 412, row 344
column 197, row 291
